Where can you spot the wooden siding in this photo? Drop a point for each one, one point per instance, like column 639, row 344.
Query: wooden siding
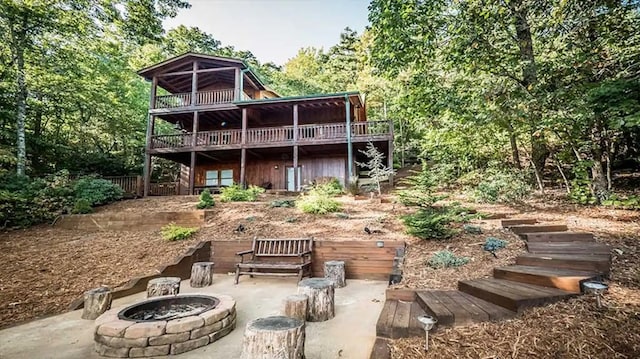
column 363, row 259
column 260, row 171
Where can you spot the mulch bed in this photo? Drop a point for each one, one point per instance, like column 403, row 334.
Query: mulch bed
column 571, row 329
column 46, row 268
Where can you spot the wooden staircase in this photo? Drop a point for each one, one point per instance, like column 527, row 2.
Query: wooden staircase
column 557, row 263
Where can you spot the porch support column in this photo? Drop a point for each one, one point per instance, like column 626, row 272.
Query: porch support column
column 194, row 141
column 238, row 77
column 194, row 84
column 151, row 120
column 243, row 151
column 390, row 156
column 347, row 107
column 296, row 180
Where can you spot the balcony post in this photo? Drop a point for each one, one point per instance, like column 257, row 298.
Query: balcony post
column 296, row 180
column 243, row 150
column 194, row 142
column 194, row 84
column 347, row 106
column 238, row 78
column 154, row 90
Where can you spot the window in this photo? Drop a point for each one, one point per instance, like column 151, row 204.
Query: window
column 219, row 178
column 211, row 178
column 226, row 177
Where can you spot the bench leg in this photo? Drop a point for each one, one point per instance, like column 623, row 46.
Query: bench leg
column 237, row 274
column 300, row 274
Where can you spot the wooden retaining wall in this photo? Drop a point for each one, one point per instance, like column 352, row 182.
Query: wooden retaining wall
column 131, row 221
column 181, row 267
column 363, row 259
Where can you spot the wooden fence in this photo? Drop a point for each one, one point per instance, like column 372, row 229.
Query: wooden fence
column 363, row 259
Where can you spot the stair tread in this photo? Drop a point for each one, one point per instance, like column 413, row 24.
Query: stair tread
column 568, row 247
column 436, row 307
column 536, row 228
column 494, row 311
column 558, row 237
column 547, row 272
column 568, row 257
column 506, row 223
column 453, row 307
column 516, row 290
column 398, row 319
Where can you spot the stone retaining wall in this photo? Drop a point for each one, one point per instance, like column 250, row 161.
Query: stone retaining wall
column 118, row 338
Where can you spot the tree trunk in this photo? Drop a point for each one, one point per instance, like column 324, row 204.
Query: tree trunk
column 274, row 337
column 201, row 274
column 334, row 271
column 598, row 177
column 295, row 306
column 96, row 302
column 515, row 153
column 163, row 286
column 321, row 298
column 19, row 40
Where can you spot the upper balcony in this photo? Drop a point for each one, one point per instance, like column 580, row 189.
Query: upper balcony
column 314, row 134
column 203, row 98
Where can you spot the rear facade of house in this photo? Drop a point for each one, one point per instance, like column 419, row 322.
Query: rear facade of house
column 229, row 128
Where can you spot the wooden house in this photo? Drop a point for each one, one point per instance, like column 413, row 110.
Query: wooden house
column 230, row 128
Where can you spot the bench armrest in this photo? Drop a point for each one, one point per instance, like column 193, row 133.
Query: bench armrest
column 249, row 251
column 304, row 253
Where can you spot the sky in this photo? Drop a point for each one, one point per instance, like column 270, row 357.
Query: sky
column 274, row 30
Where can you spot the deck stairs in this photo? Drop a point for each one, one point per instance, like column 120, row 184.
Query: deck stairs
column 554, row 267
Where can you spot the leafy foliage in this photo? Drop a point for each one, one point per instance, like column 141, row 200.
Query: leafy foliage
column 317, row 202
column 502, row 186
column 446, row 259
column 235, row 193
column 330, row 187
column 205, row 200
column 97, row 191
column 82, row 206
column 285, row 203
column 429, row 223
column 493, row 244
column 629, row 202
column 172, row 232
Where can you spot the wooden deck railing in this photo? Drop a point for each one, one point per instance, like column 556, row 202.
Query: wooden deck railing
column 215, row 97
column 211, row 97
column 131, row 185
column 164, row 189
column 272, row 135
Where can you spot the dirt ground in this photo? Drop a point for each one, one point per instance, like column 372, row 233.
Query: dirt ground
column 572, row 329
column 46, row 268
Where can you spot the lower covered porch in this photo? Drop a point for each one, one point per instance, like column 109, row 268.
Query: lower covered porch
column 290, row 168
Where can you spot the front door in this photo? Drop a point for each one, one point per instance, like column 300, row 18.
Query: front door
column 290, row 179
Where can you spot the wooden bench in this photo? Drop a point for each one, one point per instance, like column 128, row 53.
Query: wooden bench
column 277, row 257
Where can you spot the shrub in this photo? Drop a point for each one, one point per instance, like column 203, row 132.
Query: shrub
column 502, row 186
column 493, row 244
column 285, row 203
column 331, row 187
column 446, row 259
column 429, row 223
column 235, row 193
column 318, row 203
column 82, row 206
column 97, row 191
column 615, row 201
column 172, row 232
column 206, row 200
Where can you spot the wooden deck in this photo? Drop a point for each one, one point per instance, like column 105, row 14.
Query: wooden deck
column 557, row 263
column 282, row 136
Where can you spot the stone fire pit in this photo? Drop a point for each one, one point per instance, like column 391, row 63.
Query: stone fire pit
column 164, row 325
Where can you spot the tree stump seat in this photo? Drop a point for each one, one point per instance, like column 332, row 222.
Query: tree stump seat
column 201, row 274
column 321, row 298
column 163, row 286
column 295, row 306
column 274, row 337
column 96, row 302
column 334, row 271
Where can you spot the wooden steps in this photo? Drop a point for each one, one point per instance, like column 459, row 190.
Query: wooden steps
column 506, row 223
column 398, row 319
column 536, row 228
column 565, row 279
column 453, row 308
column 596, row 263
column 558, row 237
column 571, row 248
column 512, row 295
column 381, row 349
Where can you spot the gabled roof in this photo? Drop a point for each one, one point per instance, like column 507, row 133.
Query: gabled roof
column 178, row 64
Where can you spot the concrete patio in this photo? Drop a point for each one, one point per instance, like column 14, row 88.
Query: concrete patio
column 350, row 334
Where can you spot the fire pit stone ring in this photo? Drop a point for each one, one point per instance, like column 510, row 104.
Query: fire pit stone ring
column 182, row 323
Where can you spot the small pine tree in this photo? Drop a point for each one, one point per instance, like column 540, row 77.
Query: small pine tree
column 378, row 171
column 206, row 200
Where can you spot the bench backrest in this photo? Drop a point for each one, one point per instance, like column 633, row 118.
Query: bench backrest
column 281, row 247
